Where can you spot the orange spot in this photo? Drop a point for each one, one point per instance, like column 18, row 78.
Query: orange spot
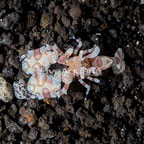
column 46, row 101
column 29, row 118
column 21, row 51
column 128, row 70
column 28, row 114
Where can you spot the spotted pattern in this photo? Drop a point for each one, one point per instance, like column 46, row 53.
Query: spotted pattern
column 39, row 59
column 36, row 63
column 102, row 62
column 43, row 86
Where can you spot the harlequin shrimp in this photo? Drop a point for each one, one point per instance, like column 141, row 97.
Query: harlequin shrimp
column 86, row 65
column 89, row 66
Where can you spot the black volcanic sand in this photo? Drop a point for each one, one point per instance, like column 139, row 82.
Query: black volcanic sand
column 114, row 111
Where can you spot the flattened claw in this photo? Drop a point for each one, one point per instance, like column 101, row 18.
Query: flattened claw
column 40, row 59
column 42, row 86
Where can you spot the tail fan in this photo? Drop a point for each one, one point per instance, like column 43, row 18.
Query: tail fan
column 119, row 67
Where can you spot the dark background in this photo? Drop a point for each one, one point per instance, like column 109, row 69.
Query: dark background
column 114, row 110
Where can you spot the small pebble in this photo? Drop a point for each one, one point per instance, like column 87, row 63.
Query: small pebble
column 1, row 59
column 6, row 92
column 8, row 72
column 33, row 134
column 113, row 33
column 27, row 116
column 11, row 125
column 137, row 43
column 20, row 90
